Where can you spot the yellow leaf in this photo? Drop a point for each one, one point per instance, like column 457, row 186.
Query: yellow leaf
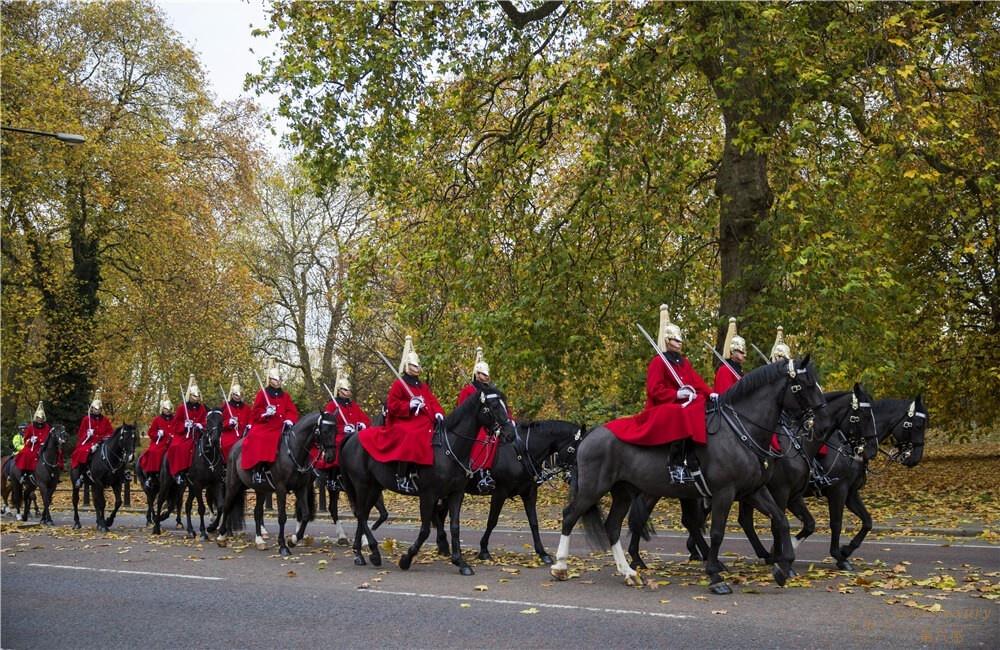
column 530, row 610
column 465, row 605
column 481, row 588
column 910, row 173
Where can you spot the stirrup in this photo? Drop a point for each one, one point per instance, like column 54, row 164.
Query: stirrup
column 180, row 478
column 79, row 481
column 680, row 474
column 406, row 485
column 335, row 484
column 257, row 477
column 148, row 483
column 486, row 483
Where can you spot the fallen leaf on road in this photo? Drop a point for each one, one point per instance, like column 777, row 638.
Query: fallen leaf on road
column 699, row 597
column 530, row 610
column 720, row 611
column 481, row 588
column 465, row 605
column 664, row 601
column 364, row 585
column 291, row 574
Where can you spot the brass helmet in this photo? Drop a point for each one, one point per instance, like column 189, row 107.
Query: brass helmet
column 667, row 329
column 480, row 365
column 734, row 342
column 410, row 357
column 780, row 350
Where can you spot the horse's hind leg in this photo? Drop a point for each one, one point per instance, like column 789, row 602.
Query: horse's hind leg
column 219, row 500
column 797, row 506
column 530, row 501
column 636, row 527
column 722, row 502
column 383, row 513
column 836, row 497
column 258, row 521
column 334, row 496
column 99, row 505
column 188, row 503
column 857, row 506
column 620, row 502
column 440, row 514
column 693, row 517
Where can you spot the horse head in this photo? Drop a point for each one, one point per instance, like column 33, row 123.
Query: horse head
column 492, row 413
column 213, row 428
column 804, row 395
column 326, row 435
column 861, row 423
column 908, row 433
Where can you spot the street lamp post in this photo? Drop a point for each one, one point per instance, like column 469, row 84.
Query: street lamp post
column 68, row 138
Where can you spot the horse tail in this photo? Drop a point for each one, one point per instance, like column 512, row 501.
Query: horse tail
column 639, row 520
column 593, row 527
column 236, row 514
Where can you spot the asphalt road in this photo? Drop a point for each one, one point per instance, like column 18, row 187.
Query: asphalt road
column 62, row 588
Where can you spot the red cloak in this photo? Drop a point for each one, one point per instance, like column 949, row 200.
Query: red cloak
column 93, row 429
column 230, row 432
column 159, row 433
column 405, row 437
column 34, row 438
column 355, row 415
column 261, row 443
column 180, row 453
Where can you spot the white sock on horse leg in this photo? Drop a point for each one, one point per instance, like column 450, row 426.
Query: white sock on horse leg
column 562, row 553
column 620, row 561
column 341, row 534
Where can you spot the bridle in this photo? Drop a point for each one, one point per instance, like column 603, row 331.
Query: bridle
column 904, row 448
column 57, row 437
column 495, row 429
column 216, row 458
column 852, row 433
column 125, row 451
column 550, row 466
column 313, row 433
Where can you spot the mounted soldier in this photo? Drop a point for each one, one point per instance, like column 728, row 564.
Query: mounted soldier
column 273, row 411
column 412, row 412
column 675, row 404
column 734, row 352
column 160, row 433
column 351, row 418
column 236, row 416
column 94, row 428
column 485, row 451
column 187, row 427
column 35, row 435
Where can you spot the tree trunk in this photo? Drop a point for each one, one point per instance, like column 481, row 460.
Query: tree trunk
column 745, row 202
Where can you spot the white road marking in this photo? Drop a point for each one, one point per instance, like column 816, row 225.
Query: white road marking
column 138, row 573
column 527, row 603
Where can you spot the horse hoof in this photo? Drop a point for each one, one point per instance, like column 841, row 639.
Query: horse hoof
column 284, row 551
column 845, row 565
column 559, row 574
column 343, row 541
column 792, row 573
column 221, row 542
column 779, row 576
column 376, row 560
column 77, row 526
column 444, row 551
column 634, row 580
column 638, row 564
column 546, row 559
column 405, row 561
column 359, row 561
column 292, row 540
column 178, row 526
column 204, row 537
column 261, row 546
column 484, row 555
column 212, row 529
column 720, row 589
column 191, row 534
column 264, row 533
column 466, row 570
column 695, row 557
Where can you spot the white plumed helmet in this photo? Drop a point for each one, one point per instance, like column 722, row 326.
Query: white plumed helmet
column 780, row 350
column 165, row 405
column 733, row 342
column 272, row 370
column 667, row 329
column 97, row 404
column 235, row 388
column 342, row 382
column 40, row 412
column 192, row 389
column 480, row 366
column 410, row 357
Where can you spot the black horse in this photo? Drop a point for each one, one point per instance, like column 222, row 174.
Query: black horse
column 446, row 479
column 735, row 463
column 205, row 478
column 45, row 477
column 291, row 472
column 107, row 467
column 852, row 432
column 902, row 421
column 150, row 484
column 540, row 451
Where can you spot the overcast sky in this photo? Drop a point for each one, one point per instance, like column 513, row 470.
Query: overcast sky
column 219, row 31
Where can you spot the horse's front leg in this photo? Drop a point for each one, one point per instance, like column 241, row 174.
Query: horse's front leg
column 334, row 496
column 46, row 490
column 305, row 497
column 188, row 503
column 258, row 520
column 218, row 494
column 282, row 517
column 97, row 493
column 496, row 504
column 201, row 515
column 440, row 514
column 76, row 502
column 746, row 523
column 530, row 501
column 637, row 528
column 836, row 496
column 722, row 501
column 797, row 506
column 857, row 506
column 117, row 489
column 428, row 506
column 455, row 520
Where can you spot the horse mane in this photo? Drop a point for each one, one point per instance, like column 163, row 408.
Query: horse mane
column 754, row 380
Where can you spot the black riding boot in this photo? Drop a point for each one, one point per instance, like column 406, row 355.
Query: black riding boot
column 335, row 482
column 405, row 482
column 679, row 473
column 258, row 474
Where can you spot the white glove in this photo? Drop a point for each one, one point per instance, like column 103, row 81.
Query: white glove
column 197, row 425
column 439, row 417
column 362, row 425
column 33, row 439
column 416, row 402
column 684, row 393
column 188, row 424
column 90, row 433
column 288, row 423
column 93, row 447
column 269, row 411
column 713, row 396
column 233, row 422
column 349, row 429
